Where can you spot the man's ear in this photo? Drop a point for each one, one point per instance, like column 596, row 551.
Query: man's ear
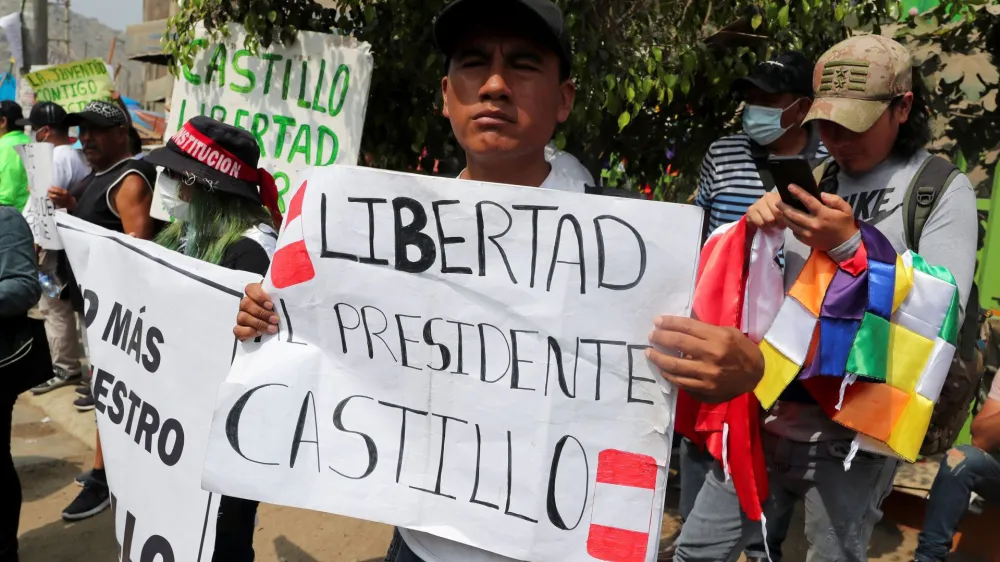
column 903, row 107
column 567, row 93
column 444, row 96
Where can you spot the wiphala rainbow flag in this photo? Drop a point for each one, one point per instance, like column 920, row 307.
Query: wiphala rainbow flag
column 871, row 338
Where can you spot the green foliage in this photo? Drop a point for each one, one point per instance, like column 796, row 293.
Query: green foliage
column 652, row 75
column 957, row 61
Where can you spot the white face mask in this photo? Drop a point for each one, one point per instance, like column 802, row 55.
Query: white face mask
column 170, row 191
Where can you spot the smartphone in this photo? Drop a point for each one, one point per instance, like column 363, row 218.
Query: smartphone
column 796, row 170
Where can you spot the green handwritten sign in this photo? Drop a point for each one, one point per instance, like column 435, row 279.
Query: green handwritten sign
column 305, row 103
column 72, row 85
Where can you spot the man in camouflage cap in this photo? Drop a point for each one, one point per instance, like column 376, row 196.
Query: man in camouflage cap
column 873, row 119
column 857, row 80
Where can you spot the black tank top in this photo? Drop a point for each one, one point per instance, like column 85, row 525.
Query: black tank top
column 93, row 205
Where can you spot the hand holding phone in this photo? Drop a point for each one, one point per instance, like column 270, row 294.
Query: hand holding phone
column 789, row 170
column 825, row 223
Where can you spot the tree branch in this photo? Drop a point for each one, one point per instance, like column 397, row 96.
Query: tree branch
column 684, row 11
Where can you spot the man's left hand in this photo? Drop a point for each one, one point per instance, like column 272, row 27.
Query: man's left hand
column 828, row 224
column 715, row 364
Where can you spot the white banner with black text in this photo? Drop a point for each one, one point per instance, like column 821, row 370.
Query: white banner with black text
column 159, row 327
column 464, row 359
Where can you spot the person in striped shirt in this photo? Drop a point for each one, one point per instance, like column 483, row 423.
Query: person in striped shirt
column 778, row 94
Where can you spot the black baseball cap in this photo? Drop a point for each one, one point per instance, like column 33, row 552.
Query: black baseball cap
column 541, row 20
column 44, row 114
column 13, row 112
column 102, row 114
column 791, row 72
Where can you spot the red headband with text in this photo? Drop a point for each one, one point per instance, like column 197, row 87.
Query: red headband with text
column 199, row 147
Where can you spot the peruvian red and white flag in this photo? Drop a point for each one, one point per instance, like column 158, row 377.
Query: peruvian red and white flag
column 625, row 511
column 291, row 264
column 739, row 285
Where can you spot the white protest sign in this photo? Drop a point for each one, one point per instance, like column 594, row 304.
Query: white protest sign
column 305, row 102
column 159, row 326
column 464, row 359
column 11, row 27
column 25, row 93
column 40, row 211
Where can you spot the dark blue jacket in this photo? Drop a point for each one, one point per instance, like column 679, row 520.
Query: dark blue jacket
column 19, row 287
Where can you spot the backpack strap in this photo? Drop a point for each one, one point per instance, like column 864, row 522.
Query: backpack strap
column 922, row 197
column 825, row 173
column 923, row 194
column 968, row 334
column 760, row 157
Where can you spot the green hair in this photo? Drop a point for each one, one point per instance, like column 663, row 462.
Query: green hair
column 217, row 220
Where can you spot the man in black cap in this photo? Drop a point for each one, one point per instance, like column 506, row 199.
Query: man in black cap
column 118, row 195
column 68, row 168
column 507, row 88
column 13, row 177
column 777, row 94
column 121, row 192
column 68, row 165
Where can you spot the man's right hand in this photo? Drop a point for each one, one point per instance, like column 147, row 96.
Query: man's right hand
column 256, row 317
column 61, row 198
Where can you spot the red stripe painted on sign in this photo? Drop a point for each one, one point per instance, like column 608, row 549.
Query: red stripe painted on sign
column 626, row 469
column 617, row 545
column 291, row 265
column 295, row 206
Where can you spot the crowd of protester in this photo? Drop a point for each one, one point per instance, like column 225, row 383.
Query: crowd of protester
column 507, row 87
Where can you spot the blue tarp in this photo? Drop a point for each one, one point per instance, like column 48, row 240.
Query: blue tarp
column 8, row 90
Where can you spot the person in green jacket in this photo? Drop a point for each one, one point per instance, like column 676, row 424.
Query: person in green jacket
column 13, row 177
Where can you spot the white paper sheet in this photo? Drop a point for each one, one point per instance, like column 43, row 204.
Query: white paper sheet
column 159, row 327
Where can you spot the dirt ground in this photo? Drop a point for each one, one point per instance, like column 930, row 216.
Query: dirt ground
column 49, row 455
column 48, row 458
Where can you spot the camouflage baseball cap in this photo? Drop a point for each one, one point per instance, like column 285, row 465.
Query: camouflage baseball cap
column 857, row 79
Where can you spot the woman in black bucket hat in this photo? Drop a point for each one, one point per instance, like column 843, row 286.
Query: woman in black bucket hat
column 226, row 213
column 225, row 208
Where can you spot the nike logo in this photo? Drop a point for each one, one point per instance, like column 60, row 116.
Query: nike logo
column 879, row 216
column 868, row 205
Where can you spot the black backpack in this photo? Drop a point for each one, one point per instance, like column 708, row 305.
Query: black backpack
column 965, row 376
